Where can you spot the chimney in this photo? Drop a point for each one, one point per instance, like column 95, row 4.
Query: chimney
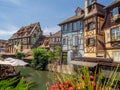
column 86, row 7
column 50, row 33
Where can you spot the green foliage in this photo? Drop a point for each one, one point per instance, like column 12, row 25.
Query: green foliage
column 20, row 55
column 9, row 84
column 58, row 53
column 51, row 55
column 40, row 60
column 0, row 56
column 55, row 54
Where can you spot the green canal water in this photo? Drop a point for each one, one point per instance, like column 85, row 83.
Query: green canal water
column 39, row 77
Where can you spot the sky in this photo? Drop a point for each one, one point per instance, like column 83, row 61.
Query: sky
column 17, row 13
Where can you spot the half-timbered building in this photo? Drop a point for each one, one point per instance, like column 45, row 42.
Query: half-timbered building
column 55, row 40
column 93, row 36
column 72, row 35
column 111, row 29
column 25, row 38
column 3, row 46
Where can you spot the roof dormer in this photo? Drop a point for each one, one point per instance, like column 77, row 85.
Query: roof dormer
column 78, row 11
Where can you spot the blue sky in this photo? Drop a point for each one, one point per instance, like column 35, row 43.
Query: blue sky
column 17, row 13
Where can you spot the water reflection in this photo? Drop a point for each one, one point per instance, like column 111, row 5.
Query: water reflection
column 39, row 77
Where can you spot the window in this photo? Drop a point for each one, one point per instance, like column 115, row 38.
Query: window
column 64, row 41
column 115, row 34
column 90, row 26
column 65, row 28
column 75, row 41
column 116, row 11
column 76, row 26
column 58, row 39
column 62, row 27
column 89, row 8
column 78, row 13
column 69, row 26
column 24, row 40
column 53, row 39
column 90, row 42
column 35, row 35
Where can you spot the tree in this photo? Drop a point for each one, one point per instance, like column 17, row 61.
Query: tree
column 58, row 53
column 20, row 55
column 40, row 60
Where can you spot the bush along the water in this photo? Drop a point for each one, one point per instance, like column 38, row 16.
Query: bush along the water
column 84, row 81
column 54, row 55
column 40, row 60
column 15, row 84
column 20, row 55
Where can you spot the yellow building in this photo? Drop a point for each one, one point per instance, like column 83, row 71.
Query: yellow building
column 111, row 29
column 93, row 36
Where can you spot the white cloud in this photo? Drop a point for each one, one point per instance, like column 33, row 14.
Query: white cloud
column 17, row 2
column 47, row 30
column 9, row 30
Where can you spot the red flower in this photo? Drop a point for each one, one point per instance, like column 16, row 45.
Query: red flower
column 71, row 88
column 82, row 77
column 78, row 85
column 68, row 83
column 91, row 77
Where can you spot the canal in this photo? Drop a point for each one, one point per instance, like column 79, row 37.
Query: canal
column 39, row 77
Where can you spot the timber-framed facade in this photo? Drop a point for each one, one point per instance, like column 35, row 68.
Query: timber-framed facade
column 111, row 28
column 72, row 30
column 25, row 38
column 93, row 36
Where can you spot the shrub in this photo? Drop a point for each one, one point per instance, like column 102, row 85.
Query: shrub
column 9, row 84
column 20, row 55
column 55, row 54
column 40, row 60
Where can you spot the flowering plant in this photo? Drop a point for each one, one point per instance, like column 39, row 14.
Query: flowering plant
column 84, row 81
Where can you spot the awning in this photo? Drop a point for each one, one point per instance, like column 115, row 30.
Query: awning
column 3, row 62
column 84, row 63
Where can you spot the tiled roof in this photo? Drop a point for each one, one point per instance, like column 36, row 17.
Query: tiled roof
column 73, row 18
column 57, row 34
column 3, row 42
column 113, row 3
column 45, row 42
column 24, row 31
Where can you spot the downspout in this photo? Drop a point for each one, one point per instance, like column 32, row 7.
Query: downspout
column 61, row 54
column 106, row 11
